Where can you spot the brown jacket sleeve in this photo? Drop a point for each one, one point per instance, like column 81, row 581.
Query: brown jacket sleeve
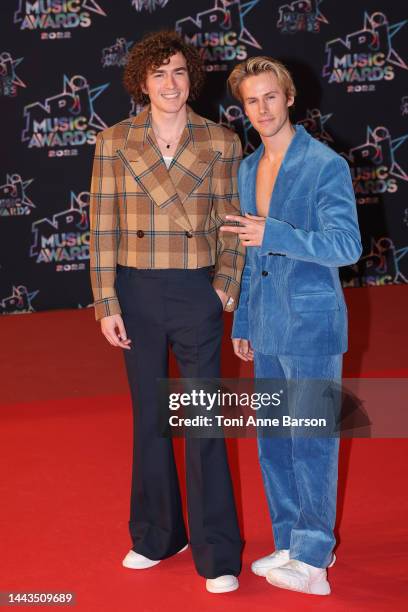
column 104, row 224
column 230, row 252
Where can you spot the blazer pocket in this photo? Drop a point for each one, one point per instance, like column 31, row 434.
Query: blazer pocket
column 314, row 302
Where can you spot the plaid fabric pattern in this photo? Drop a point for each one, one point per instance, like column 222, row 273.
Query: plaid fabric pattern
column 144, row 215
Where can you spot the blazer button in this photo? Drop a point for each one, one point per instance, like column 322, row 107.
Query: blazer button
column 140, row 233
column 264, row 273
column 189, row 234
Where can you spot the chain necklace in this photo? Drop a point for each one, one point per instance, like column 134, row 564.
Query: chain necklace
column 168, row 144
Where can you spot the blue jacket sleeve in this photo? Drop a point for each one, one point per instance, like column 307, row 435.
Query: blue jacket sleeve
column 337, row 242
column 240, row 327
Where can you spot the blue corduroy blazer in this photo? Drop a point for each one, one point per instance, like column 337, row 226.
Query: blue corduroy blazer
column 291, row 300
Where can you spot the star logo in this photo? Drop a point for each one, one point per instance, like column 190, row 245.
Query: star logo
column 13, row 192
column 314, row 124
column 234, row 118
column 379, row 150
column 30, row 10
column 301, row 15
column 226, row 15
column 148, row 5
column 384, row 258
column 19, row 301
column 9, row 79
column 375, row 38
column 76, row 100
column 73, row 219
column 116, row 54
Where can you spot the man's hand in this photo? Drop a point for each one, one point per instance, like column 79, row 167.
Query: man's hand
column 223, row 296
column 114, row 331
column 242, row 349
column 253, row 231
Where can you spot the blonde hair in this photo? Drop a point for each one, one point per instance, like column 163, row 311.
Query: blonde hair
column 258, row 65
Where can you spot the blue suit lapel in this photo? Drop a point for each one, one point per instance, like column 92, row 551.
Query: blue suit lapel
column 289, row 171
column 286, row 179
column 249, row 184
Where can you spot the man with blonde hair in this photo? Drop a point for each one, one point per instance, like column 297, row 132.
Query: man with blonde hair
column 299, row 225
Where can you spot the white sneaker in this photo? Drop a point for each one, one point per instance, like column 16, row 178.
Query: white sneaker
column 276, row 559
column 222, row 584
column 134, row 560
column 298, row 576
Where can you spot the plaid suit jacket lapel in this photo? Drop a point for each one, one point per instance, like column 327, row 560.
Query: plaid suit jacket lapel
column 194, row 157
column 193, row 160
column 143, row 159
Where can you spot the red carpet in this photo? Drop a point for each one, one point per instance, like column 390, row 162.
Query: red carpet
column 65, row 446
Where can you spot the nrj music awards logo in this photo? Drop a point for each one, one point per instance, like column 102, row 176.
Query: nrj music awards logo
column 63, row 238
column 381, row 266
column 233, row 117
column 14, row 201
column 67, row 119
column 19, row 301
column 374, row 167
column 59, row 16
column 9, row 81
column 148, row 5
column 220, row 33
column 366, row 56
column 117, row 54
column 300, row 16
column 314, row 123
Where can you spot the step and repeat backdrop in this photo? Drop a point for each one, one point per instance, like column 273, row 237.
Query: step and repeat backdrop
column 61, row 64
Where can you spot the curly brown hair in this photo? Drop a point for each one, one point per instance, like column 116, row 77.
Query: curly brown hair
column 152, row 51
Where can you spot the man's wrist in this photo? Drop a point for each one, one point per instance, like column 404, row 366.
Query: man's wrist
column 227, row 287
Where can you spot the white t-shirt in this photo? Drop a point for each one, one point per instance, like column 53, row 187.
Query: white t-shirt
column 167, row 160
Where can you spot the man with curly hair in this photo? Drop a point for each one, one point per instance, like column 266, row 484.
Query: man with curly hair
column 162, row 274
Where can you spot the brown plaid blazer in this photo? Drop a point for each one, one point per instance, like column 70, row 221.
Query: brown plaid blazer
column 144, row 215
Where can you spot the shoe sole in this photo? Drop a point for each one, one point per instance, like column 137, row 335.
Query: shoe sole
column 151, row 562
column 146, row 565
column 262, row 571
column 233, row 587
column 323, row 589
